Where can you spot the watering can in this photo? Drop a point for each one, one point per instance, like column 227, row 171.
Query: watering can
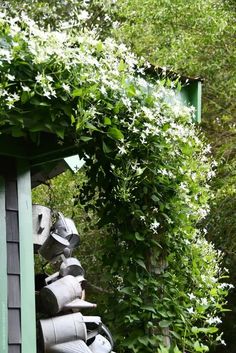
column 65, row 227
column 69, row 266
column 60, row 330
column 53, row 246
column 100, row 345
column 56, row 295
column 41, row 216
column 78, row 346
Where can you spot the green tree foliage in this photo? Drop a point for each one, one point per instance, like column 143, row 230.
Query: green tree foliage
column 194, row 38
column 66, row 13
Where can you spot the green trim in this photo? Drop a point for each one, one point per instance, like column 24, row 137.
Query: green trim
column 48, row 150
column 192, row 95
column 198, row 103
column 28, row 320
column 3, row 272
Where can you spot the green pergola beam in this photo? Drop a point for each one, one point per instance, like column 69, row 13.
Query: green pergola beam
column 191, row 95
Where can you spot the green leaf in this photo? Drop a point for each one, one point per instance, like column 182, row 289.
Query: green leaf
column 126, row 290
column 138, row 236
column 105, row 148
column 36, row 101
column 115, row 133
column 25, row 97
column 107, row 121
column 141, row 263
column 72, row 119
column 91, row 127
column 148, row 308
column 212, row 329
column 121, row 66
column 195, row 330
column 176, row 335
column 144, row 340
column 176, row 350
column 78, row 92
column 164, row 323
column 205, row 330
column 99, row 46
column 131, row 91
column 163, row 349
column 60, row 133
column 154, row 198
column 85, row 138
column 199, row 347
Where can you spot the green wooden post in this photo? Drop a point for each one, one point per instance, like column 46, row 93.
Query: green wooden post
column 3, row 272
column 28, row 320
column 192, row 95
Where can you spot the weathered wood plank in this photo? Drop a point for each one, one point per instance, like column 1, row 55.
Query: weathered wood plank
column 12, row 226
column 14, row 334
column 13, row 260
column 13, row 291
column 11, row 195
column 14, row 348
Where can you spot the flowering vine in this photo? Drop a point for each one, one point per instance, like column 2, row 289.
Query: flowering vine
column 147, row 170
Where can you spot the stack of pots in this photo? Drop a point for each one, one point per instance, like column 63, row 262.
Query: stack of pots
column 66, row 330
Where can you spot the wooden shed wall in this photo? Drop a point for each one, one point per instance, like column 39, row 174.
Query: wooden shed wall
column 17, row 302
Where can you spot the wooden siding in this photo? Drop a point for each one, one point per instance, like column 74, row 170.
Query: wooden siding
column 17, row 301
column 13, row 263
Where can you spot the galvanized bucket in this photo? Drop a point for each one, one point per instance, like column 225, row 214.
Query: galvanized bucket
column 59, row 293
column 78, row 346
column 100, row 345
column 41, row 224
column 66, row 228
column 53, row 246
column 71, row 266
column 62, row 329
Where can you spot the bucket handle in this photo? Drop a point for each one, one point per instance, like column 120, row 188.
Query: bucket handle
column 63, row 220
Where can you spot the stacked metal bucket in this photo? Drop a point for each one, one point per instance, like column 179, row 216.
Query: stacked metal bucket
column 65, row 330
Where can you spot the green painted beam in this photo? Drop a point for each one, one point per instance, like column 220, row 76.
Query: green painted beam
column 3, row 272
column 192, row 95
column 28, row 319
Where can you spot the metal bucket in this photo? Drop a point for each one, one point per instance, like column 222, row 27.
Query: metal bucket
column 71, row 266
column 41, row 224
column 61, row 329
column 59, row 293
column 53, row 246
column 70, row 347
column 100, row 345
column 66, row 228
